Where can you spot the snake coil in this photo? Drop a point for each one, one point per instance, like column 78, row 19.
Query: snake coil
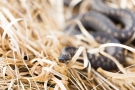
column 105, row 32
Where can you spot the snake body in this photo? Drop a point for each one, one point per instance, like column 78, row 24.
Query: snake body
column 106, row 31
column 126, row 16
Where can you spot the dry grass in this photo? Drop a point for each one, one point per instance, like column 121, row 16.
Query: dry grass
column 31, row 40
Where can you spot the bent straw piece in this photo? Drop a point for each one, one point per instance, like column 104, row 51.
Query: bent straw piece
column 77, row 54
column 6, row 32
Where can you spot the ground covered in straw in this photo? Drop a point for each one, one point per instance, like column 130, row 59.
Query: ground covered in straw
column 31, row 41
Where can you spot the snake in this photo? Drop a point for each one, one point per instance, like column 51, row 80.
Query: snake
column 101, row 19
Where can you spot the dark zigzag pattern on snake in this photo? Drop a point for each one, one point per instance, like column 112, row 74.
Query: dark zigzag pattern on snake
column 106, row 31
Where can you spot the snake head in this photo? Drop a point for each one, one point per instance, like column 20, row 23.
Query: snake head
column 67, row 54
column 64, row 57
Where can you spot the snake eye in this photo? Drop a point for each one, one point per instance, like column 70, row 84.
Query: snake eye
column 63, row 58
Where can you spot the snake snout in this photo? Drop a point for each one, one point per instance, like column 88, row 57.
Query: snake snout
column 66, row 54
column 63, row 58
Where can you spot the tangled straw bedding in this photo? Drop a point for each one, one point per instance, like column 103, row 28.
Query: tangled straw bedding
column 31, row 40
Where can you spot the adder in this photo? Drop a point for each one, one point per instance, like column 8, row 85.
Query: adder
column 100, row 19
